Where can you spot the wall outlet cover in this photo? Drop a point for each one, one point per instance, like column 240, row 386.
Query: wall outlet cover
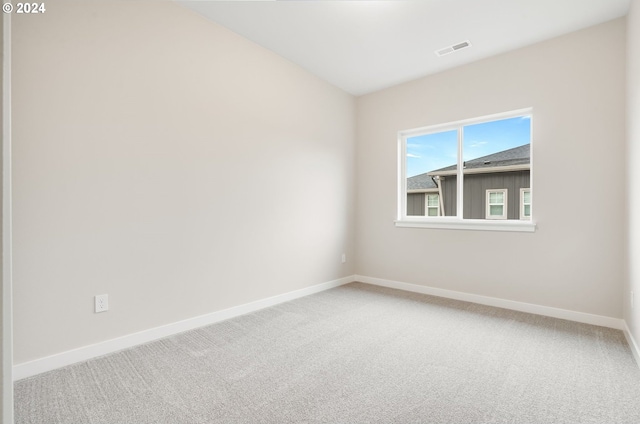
column 102, row 303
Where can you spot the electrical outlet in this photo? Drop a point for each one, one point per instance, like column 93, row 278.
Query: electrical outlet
column 102, row 303
column 344, row 258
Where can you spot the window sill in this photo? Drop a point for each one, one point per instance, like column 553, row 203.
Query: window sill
column 469, row 224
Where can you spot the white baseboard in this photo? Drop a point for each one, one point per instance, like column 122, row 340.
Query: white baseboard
column 635, row 348
column 582, row 317
column 49, row 363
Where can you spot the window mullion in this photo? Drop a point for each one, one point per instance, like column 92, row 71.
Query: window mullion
column 460, row 177
column 402, row 189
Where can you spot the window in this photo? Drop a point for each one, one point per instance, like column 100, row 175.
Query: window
column 496, row 204
column 433, row 205
column 525, row 203
column 460, row 174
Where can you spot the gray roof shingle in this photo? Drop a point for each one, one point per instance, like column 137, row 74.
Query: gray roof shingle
column 516, row 156
column 420, row 182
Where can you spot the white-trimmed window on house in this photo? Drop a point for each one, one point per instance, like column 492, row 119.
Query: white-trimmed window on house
column 470, row 172
column 525, row 204
column 496, row 201
column 433, row 204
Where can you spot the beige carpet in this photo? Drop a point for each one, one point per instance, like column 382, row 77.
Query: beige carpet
column 354, row 354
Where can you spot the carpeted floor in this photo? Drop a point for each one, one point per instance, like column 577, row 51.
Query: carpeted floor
column 354, row 354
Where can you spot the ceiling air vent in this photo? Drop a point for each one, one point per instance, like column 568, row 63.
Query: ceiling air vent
column 459, row 46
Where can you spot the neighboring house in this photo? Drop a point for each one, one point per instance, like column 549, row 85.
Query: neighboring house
column 496, row 186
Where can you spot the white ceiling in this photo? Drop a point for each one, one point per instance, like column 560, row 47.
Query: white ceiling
column 362, row 46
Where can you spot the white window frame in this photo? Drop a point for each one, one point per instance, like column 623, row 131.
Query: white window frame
column 455, row 222
column 504, row 204
column 426, row 204
column 522, row 204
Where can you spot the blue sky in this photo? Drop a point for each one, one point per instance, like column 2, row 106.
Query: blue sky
column 433, row 151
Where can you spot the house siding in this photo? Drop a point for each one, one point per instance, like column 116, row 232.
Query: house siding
column 416, row 204
column 449, row 191
column 476, row 185
column 475, row 188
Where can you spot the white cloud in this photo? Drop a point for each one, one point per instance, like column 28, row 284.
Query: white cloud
column 411, row 155
column 478, row 143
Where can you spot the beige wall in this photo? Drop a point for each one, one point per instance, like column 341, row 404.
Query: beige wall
column 632, row 316
column 170, row 163
column 575, row 260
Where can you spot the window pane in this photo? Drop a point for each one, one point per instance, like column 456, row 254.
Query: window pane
column 495, row 151
column 483, row 141
column 527, row 196
column 433, row 212
column 496, row 197
column 432, row 164
column 527, row 210
column 495, row 210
